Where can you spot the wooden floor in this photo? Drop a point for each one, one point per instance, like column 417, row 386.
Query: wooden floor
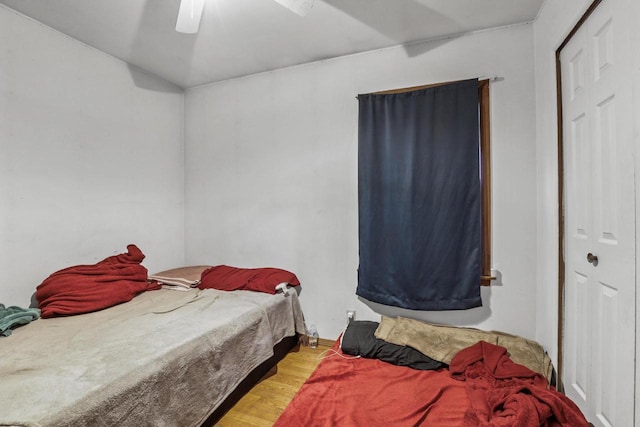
column 266, row 401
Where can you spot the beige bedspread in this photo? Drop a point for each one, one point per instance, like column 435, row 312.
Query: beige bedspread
column 442, row 343
column 165, row 358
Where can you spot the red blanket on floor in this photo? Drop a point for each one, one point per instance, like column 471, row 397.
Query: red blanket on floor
column 359, row 392
column 503, row 393
column 85, row 288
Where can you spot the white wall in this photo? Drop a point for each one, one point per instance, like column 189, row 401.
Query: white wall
column 90, row 158
column 271, row 175
column 635, row 41
column 554, row 22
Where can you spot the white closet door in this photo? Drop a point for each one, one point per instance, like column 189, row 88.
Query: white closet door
column 599, row 253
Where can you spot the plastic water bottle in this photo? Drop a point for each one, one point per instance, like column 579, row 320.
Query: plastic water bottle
column 313, row 337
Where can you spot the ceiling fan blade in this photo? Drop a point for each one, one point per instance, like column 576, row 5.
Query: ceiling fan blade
column 189, row 16
column 299, row 7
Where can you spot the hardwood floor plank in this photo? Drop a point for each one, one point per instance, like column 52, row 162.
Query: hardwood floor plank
column 262, row 406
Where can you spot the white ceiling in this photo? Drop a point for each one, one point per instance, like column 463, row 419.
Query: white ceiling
column 242, row 37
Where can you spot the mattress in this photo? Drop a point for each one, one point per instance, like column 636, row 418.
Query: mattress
column 164, row 358
column 354, row 391
column 482, row 387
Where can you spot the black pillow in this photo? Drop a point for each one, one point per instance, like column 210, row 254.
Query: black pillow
column 359, row 340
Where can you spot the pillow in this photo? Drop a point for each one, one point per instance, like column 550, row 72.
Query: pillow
column 182, row 277
column 359, row 340
column 226, row 278
column 442, row 342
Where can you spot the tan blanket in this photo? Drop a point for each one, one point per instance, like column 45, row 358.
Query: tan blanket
column 442, row 343
column 164, row 358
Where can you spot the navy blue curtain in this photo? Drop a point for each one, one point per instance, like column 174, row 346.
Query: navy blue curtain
column 419, row 198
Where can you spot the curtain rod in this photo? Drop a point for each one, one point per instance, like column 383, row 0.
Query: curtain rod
column 411, row 88
column 492, row 78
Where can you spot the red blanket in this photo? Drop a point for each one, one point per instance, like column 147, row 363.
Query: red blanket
column 357, row 392
column 85, row 288
column 226, row 278
column 503, row 393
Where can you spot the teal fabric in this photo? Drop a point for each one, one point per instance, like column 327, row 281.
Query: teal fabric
column 11, row 317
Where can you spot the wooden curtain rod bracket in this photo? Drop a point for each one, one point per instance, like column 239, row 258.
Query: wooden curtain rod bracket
column 486, row 280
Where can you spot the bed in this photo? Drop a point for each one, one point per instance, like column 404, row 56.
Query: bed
column 367, row 381
column 163, row 358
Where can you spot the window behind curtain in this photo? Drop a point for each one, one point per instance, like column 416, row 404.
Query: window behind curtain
column 419, row 196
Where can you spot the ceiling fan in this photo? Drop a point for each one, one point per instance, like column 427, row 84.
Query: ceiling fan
column 190, row 12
